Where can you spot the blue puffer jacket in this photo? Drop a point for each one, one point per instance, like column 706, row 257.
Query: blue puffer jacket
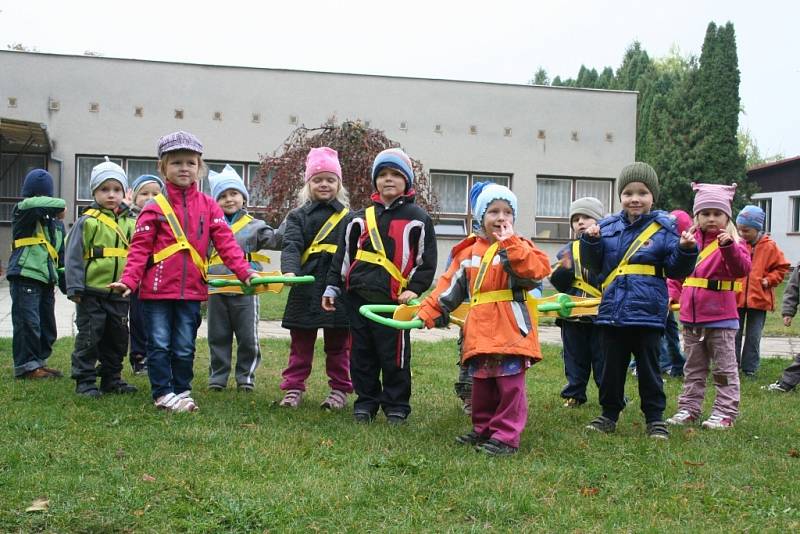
column 636, row 300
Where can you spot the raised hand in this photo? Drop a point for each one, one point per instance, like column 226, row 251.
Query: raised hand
column 688, row 240
column 724, row 238
column 592, row 231
column 506, row 231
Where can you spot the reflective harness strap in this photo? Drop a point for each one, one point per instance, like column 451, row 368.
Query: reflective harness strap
column 580, row 282
column 38, row 239
column 499, row 295
column 707, row 283
column 326, row 229
column 108, row 252
column 624, row 268
column 236, row 227
column 181, row 243
column 379, row 256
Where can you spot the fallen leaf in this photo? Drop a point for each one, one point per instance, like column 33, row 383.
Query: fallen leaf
column 693, row 464
column 326, row 443
column 148, row 478
column 39, row 505
column 120, row 453
column 589, row 492
column 138, row 513
column 250, row 426
column 794, row 453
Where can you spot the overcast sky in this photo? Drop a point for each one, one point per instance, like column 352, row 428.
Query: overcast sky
column 500, row 41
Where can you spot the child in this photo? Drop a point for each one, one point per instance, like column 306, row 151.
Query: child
column 387, row 254
column 672, row 359
column 164, row 264
column 791, row 375
column 230, row 313
column 312, row 232
column 708, row 310
column 580, row 338
column 633, row 251
column 38, row 251
column 494, row 269
column 757, row 297
column 95, row 256
column 144, row 189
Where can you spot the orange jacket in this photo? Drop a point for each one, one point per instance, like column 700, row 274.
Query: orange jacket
column 767, row 262
column 506, row 328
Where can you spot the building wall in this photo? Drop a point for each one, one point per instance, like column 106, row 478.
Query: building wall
column 781, row 214
column 587, row 133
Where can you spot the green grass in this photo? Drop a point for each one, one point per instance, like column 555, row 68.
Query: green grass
column 774, row 323
column 242, row 464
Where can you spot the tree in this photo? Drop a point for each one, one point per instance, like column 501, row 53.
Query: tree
column 280, row 176
column 749, row 149
column 539, row 77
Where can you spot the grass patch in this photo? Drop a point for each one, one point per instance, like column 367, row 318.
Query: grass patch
column 242, row 464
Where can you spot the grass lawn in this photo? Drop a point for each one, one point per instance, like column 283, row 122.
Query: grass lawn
column 242, row 464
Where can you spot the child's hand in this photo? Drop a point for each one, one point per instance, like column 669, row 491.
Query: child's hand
column 787, row 321
column 565, row 262
column 764, row 283
column 506, row 231
column 405, row 296
column 592, row 231
column 119, row 287
column 688, row 240
column 329, row 304
column 724, row 239
column 290, row 275
column 250, row 278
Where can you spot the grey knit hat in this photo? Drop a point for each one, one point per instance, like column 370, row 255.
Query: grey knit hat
column 639, row 172
column 589, row 206
column 108, row 170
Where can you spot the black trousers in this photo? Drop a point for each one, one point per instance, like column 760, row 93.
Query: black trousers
column 582, row 357
column 102, row 337
column 378, row 352
column 618, row 343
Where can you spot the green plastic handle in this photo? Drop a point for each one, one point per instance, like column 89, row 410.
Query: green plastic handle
column 308, row 279
column 371, row 311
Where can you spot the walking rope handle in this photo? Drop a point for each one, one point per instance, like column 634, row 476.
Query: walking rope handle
column 259, row 280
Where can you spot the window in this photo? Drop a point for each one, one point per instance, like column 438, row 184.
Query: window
column 258, row 195
column 138, row 167
column 452, row 191
column 84, row 174
column 555, row 194
column 216, row 166
column 13, row 169
column 794, row 224
column 766, row 205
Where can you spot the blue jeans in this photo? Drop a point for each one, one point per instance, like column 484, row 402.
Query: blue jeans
column 751, row 324
column 33, row 317
column 171, row 334
column 671, row 358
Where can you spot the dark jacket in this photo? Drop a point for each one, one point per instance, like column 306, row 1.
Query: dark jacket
column 303, row 308
column 33, row 261
column 636, row 300
column 563, row 278
column 409, row 240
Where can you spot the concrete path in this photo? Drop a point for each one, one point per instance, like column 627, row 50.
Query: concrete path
column 782, row 347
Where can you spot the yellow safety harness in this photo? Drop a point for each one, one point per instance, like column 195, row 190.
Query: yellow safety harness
column 181, row 243
column 236, row 227
column 624, row 268
column 379, row 256
column 499, row 295
column 327, row 228
column 107, row 252
column 580, row 282
column 706, row 283
column 38, row 239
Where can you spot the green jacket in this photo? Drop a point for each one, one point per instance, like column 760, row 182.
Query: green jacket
column 37, row 216
column 95, row 252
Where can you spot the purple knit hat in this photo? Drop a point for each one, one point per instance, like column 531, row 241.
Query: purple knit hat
column 179, row 141
column 713, row 196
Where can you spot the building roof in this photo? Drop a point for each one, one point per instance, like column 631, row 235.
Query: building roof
column 773, row 164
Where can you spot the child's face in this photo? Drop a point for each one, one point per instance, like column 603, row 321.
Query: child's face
column 712, row 219
column 182, row 167
column 748, row 233
column 230, row 201
column 147, row 192
column 498, row 216
column 390, row 184
column 109, row 194
column 636, row 199
column 581, row 222
column 323, row 186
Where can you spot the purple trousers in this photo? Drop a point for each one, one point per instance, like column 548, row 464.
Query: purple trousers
column 301, row 356
column 500, row 407
column 714, row 349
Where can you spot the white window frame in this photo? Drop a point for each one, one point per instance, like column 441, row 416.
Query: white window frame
column 573, row 180
column 81, row 201
column 766, row 205
column 457, row 224
column 794, row 214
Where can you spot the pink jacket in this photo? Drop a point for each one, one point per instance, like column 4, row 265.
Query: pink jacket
column 700, row 305
column 177, row 277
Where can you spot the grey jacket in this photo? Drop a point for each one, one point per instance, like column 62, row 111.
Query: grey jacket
column 790, row 294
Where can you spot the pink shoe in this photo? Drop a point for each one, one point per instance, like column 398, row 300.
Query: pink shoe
column 718, row 422
column 292, row 398
column 336, row 400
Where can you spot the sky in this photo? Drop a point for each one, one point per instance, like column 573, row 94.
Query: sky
column 504, row 41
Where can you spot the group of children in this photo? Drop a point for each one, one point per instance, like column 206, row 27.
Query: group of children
column 151, row 261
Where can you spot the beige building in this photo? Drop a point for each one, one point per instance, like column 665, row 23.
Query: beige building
column 549, row 144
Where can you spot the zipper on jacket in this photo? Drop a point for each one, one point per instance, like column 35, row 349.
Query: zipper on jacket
column 183, row 275
column 116, row 260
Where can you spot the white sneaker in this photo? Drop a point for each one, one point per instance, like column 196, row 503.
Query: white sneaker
column 185, row 402
column 775, row 386
column 718, row 422
column 683, row 417
column 166, row 402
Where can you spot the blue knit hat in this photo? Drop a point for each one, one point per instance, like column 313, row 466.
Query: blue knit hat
column 108, row 170
column 38, row 183
column 489, row 194
column 395, row 159
column 474, row 191
column 142, row 181
column 227, row 179
column 752, row 216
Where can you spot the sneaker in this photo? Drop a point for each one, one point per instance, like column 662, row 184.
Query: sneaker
column 292, row 398
column 493, row 447
column 166, row 402
column 216, row 387
column 396, row 418
column 336, row 400
column 54, row 372
column 466, row 406
column 471, row 438
column 571, row 402
column 36, row 374
column 718, row 422
column 602, row 424
column 657, row 430
column 683, row 417
column 363, row 417
column 90, row 391
column 245, row 388
column 777, row 387
column 184, row 402
column 120, row 387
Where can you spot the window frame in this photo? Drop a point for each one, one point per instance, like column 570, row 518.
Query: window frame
column 766, row 205
column 13, row 200
column 573, row 196
column 464, row 219
column 794, row 215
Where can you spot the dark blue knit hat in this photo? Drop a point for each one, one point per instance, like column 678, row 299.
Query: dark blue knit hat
column 38, row 183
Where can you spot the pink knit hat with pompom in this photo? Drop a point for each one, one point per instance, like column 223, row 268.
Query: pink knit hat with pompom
column 322, row 159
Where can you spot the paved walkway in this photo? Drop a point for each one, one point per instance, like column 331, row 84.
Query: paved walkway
column 782, row 347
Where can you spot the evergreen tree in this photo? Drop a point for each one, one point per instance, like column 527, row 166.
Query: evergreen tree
column 539, row 77
column 606, row 79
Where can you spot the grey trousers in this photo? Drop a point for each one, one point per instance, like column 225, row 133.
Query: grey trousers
column 229, row 315
column 102, row 338
column 791, row 375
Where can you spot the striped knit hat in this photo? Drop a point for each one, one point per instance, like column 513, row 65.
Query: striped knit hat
column 396, row 159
